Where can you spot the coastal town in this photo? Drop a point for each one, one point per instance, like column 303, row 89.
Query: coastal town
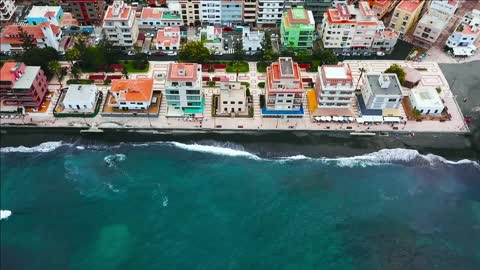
column 361, row 67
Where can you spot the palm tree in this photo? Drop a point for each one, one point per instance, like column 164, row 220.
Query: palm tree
column 72, row 54
column 362, row 70
column 55, row 68
column 75, row 72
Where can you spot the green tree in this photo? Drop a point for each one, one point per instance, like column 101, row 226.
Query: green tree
column 94, row 58
column 266, row 52
column 81, row 46
column 125, row 72
column 397, row 70
column 325, row 57
column 140, row 61
column 72, row 55
column 27, row 40
column 194, row 52
column 40, row 57
column 238, row 52
column 55, row 68
column 76, row 72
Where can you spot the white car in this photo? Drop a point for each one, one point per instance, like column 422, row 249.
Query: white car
column 131, row 53
column 172, row 53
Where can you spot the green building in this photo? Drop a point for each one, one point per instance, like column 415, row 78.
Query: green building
column 297, row 28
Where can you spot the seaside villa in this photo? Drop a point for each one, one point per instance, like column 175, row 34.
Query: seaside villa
column 131, row 94
column 80, row 97
column 381, row 91
column 426, row 101
column 183, row 90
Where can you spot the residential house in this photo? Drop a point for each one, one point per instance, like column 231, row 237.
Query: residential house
column 405, row 15
column 444, row 7
column 80, row 97
column 350, row 30
column 269, row 12
column 283, row 89
column 334, row 87
column 168, row 39
column 211, row 12
column 380, row 7
column 252, row 40
column 467, row 31
column 381, row 91
column 212, row 38
column 429, row 28
column 158, row 17
column 233, row 98
column 44, row 35
column 7, row 8
column 87, row 12
column 131, row 94
column 183, row 90
column 40, row 14
column 297, row 29
column 426, row 101
column 120, row 25
column 232, row 12
column 22, row 86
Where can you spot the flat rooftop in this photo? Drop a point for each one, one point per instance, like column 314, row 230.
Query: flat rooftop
column 286, row 66
column 80, row 92
column 394, row 87
column 27, row 78
column 426, row 97
column 336, row 72
column 43, row 11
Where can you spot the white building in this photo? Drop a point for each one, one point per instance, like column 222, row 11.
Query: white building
column 429, row 28
column 211, row 12
column 159, row 17
column 269, row 12
column 80, row 97
column 168, row 39
column 7, row 8
column 334, row 86
column 444, row 7
column 233, row 98
column 381, row 91
column 45, row 35
column 426, row 101
column 212, row 38
column 131, row 94
column 183, row 89
column 252, row 40
column 40, row 14
column 466, row 32
column 350, row 30
column 120, row 25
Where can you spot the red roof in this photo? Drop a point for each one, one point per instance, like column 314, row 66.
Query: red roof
column 113, row 77
column 219, row 66
column 96, row 77
column 410, row 5
column 117, row 66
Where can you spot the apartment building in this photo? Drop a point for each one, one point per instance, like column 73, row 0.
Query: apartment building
column 293, row 3
column 159, row 17
column 7, row 8
column 381, row 91
column 405, row 15
column 39, row 14
column 444, row 7
column 211, row 12
column 467, row 31
column 380, row 7
column 44, row 35
column 232, row 12
column 183, row 90
column 429, row 28
column 86, row 12
column 22, row 86
column 269, row 12
column 120, row 25
column 297, row 28
column 283, row 89
column 349, row 30
column 190, row 12
column 318, row 8
column 233, row 98
column 334, row 87
column 250, row 12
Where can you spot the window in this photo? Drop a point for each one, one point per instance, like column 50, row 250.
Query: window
column 172, row 92
column 240, row 102
column 225, row 102
column 123, row 103
column 392, row 100
column 239, row 109
column 139, row 103
column 232, row 102
column 188, row 83
column 193, row 92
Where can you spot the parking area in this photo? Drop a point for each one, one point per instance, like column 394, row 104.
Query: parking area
column 229, row 39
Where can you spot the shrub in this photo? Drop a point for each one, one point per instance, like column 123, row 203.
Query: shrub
column 261, row 84
column 262, row 101
column 211, row 84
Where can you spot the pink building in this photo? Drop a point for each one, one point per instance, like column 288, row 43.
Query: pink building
column 334, row 87
column 22, row 86
column 168, row 38
column 283, row 88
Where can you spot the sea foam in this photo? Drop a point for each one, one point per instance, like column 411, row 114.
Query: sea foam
column 4, row 214
column 112, row 160
column 216, row 150
column 41, row 148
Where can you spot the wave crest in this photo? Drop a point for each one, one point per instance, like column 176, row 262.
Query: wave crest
column 112, row 160
column 41, row 148
column 4, row 214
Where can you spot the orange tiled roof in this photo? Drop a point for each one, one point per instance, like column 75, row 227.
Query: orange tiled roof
column 139, row 90
column 169, row 39
column 151, row 13
column 124, row 13
column 409, row 5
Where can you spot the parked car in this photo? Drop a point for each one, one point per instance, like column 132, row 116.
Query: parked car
column 131, row 53
column 159, row 54
column 171, row 53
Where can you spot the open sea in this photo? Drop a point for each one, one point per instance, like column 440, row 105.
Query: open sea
column 172, row 205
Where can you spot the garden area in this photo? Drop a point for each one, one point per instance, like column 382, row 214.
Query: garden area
column 132, row 66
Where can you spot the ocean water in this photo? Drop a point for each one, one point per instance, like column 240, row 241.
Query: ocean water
column 170, row 205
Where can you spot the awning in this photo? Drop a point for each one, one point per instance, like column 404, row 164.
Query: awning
column 392, row 119
column 360, row 120
column 392, row 112
column 318, row 118
column 373, row 118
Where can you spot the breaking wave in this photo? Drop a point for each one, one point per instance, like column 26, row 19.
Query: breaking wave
column 112, row 160
column 216, row 150
column 4, row 214
column 41, row 148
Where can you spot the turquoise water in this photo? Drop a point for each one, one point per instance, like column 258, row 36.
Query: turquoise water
column 186, row 206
